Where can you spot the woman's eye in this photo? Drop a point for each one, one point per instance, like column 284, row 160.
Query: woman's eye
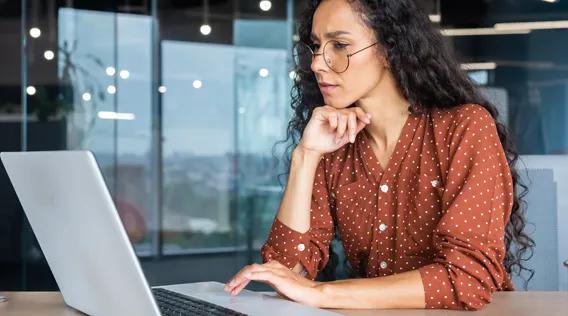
column 340, row 45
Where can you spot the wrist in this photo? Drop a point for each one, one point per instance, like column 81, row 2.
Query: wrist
column 325, row 295
column 305, row 154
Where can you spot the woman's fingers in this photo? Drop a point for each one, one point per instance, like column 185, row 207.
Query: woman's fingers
column 267, row 276
column 239, row 287
column 361, row 115
column 239, row 278
column 333, row 121
column 240, row 281
column 342, row 125
column 352, row 126
column 269, row 270
column 357, row 120
column 345, row 122
column 275, row 264
column 360, row 126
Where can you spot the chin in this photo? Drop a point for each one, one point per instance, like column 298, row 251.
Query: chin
column 338, row 104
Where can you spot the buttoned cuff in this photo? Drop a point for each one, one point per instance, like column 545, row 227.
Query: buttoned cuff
column 285, row 245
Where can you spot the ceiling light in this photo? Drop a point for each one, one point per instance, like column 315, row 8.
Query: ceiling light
column 481, row 31
column 31, row 90
column 436, row 18
column 35, row 32
column 205, row 29
column 48, row 55
column 265, row 5
column 537, row 25
column 111, row 89
column 292, row 75
column 263, row 72
column 110, row 71
column 107, row 115
column 124, row 74
column 479, row 66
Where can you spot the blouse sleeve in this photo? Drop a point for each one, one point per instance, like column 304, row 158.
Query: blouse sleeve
column 311, row 248
column 477, row 201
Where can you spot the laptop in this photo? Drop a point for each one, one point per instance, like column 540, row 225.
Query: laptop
column 86, row 246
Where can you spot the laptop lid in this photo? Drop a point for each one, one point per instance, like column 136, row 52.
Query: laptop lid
column 79, row 231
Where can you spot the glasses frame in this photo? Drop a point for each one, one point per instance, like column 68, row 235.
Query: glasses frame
column 314, row 55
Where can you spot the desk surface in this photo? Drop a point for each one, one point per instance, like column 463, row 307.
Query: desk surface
column 504, row 303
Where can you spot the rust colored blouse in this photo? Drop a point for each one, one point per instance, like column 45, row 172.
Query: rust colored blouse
column 440, row 206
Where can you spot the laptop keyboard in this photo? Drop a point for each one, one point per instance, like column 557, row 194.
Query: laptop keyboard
column 173, row 303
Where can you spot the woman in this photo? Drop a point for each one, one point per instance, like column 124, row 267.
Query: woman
column 401, row 153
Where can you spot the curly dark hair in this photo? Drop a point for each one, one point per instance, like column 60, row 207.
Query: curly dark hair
column 429, row 76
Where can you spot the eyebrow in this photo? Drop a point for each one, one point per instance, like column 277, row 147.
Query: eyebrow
column 330, row 34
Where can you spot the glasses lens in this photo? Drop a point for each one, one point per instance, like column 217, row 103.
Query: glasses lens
column 335, row 55
column 303, row 57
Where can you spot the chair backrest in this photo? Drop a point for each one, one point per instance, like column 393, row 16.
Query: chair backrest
column 547, row 215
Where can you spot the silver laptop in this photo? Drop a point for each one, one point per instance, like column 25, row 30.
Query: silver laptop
column 80, row 233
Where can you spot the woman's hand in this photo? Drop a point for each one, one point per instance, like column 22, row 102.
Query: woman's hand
column 329, row 128
column 285, row 282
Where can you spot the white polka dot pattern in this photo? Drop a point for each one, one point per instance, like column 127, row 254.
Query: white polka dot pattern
column 439, row 206
column 311, row 249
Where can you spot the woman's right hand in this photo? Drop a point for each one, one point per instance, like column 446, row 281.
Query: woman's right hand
column 329, row 128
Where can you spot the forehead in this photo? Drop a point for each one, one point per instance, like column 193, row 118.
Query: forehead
column 337, row 15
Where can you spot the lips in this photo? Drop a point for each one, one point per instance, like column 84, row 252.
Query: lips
column 325, row 84
column 326, row 87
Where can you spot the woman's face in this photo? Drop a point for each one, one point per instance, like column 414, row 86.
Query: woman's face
column 336, row 20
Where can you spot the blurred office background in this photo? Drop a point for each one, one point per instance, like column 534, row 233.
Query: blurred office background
column 182, row 101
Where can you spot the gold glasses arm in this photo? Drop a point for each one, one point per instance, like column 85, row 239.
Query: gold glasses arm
column 362, row 49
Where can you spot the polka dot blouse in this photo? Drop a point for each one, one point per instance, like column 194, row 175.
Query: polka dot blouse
column 440, row 206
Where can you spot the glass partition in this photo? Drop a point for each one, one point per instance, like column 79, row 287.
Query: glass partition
column 180, row 102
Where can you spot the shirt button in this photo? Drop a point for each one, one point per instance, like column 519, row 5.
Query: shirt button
column 301, row 247
column 384, row 188
column 333, row 195
column 383, row 227
column 435, row 183
column 383, row 265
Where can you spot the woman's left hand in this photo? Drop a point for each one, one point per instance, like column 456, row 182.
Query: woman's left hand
column 284, row 281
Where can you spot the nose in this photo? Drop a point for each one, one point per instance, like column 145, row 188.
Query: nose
column 318, row 63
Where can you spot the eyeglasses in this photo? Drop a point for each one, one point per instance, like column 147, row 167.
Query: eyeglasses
column 334, row 53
